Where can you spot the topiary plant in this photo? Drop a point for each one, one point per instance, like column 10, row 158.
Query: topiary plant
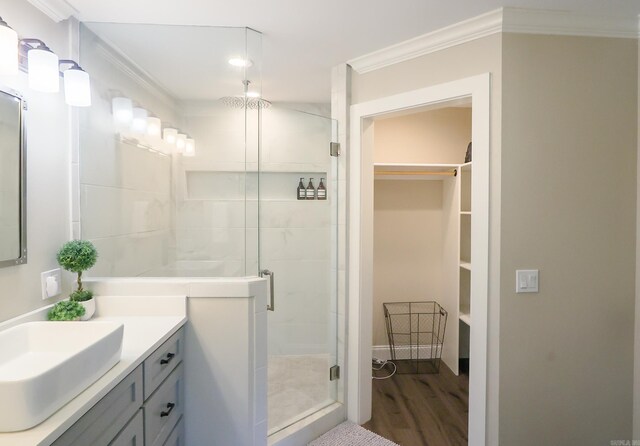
column 77, row 256
column 66, row 310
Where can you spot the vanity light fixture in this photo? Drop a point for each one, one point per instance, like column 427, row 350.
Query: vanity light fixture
column 239, row 62
column 170, row 135
column 139, row 121
column 189, row 147
column 122, row 111
column 154, row 127
column 77, row 85
column 42, row 65
column 181, row 140
column 8, row 49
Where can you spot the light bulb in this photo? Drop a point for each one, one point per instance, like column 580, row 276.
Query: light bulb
column 8, row 49
column 43, row 70
column 180, row 142
column 239, row 62
column 170, row 135
column 189, row 147
column 154, row 127
column 253, row 94
column 122, row 111
column 77, row 87
column 139, row 121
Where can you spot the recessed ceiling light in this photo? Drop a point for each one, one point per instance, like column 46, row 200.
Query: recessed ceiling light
column 238, row 62
column 253, row 94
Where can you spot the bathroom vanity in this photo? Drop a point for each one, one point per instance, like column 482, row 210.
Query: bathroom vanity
column 141, row 397
column 145, row 408
column 196, row 380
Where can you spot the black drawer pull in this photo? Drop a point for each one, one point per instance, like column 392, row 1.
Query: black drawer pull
column 168, row 359
column 166, row 413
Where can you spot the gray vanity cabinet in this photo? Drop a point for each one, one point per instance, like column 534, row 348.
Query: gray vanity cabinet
column 144, row 409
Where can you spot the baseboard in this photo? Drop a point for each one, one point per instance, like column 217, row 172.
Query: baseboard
column 382, row 352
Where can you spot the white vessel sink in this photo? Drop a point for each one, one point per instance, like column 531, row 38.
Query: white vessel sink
column 44, row 365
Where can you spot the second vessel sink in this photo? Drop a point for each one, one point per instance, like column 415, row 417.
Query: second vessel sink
column 44, row 365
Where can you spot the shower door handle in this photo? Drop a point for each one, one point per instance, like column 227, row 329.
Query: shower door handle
column 272, row 304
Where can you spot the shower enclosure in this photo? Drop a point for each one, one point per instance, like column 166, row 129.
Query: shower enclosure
column 225, row 203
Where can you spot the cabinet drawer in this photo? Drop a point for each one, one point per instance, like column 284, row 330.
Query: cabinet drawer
column 163, row 410
column 102, row 422
column 161, row 362
column 176, row 438
column 132, row 434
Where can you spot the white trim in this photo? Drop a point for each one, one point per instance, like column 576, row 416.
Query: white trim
column 456, row 34
column 309, row 428
column 402, row 352
column 56, row 10
column 513, row 20
column 568, row 23
column 361, row 235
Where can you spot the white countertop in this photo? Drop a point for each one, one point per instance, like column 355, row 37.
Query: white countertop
column 142, row 336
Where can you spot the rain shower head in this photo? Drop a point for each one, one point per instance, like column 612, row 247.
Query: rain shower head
column 242, row 102
column 250, row 99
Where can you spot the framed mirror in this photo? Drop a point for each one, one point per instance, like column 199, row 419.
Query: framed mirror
column 13, row 193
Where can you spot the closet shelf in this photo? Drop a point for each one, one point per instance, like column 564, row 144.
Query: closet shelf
column 466, row 166
column 400, row 171
column 465, row 212
column 466, row 318
column 465, row 265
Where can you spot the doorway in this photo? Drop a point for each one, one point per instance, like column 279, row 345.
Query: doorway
column 475, row 90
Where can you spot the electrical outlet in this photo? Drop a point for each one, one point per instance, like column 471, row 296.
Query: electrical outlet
column 51, row 283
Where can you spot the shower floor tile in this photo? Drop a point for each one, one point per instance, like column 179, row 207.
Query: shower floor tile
column 297, row 386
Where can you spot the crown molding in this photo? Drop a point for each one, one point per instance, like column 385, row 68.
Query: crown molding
column 511, row 20
column 56, row 10
column 456, row 34
column 567, row 23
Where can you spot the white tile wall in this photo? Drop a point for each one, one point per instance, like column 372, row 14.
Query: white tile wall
column 125, row 191
column 295, row 236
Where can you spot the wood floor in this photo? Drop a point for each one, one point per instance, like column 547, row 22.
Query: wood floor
column 421, row 410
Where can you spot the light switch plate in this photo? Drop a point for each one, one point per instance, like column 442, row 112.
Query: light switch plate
column 51, row 283
column 527, row 281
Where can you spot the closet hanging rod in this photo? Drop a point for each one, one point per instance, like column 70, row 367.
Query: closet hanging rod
column 451, row 173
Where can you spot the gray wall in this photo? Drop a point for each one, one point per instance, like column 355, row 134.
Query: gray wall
column 48, row 161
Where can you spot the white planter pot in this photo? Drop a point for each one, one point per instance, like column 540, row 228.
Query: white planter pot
column 89, row 308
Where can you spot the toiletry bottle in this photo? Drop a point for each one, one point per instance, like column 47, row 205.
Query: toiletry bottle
column 311, row 191
column 302, row 192
column 322, row 190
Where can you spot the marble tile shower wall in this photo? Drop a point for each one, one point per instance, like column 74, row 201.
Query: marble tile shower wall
column 124, row 191
column 215, row 226
column 217, row 214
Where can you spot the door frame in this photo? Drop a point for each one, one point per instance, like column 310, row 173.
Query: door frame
column 360, row 304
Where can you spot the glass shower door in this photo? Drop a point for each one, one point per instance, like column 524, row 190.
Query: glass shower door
column 297, row 239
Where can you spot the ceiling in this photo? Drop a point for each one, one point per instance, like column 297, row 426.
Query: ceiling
column 302, row 40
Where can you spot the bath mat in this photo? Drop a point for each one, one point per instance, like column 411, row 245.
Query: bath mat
column 350, row 434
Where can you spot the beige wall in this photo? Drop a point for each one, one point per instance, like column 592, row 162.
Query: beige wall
column 435, row 136
column 407, row 243
column 48, row 163
column 408, row 214
column 568, row 208
column 469, row 59
column 636, row 386
column 563, row 199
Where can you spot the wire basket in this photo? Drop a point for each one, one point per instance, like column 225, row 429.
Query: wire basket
column 416, row 335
